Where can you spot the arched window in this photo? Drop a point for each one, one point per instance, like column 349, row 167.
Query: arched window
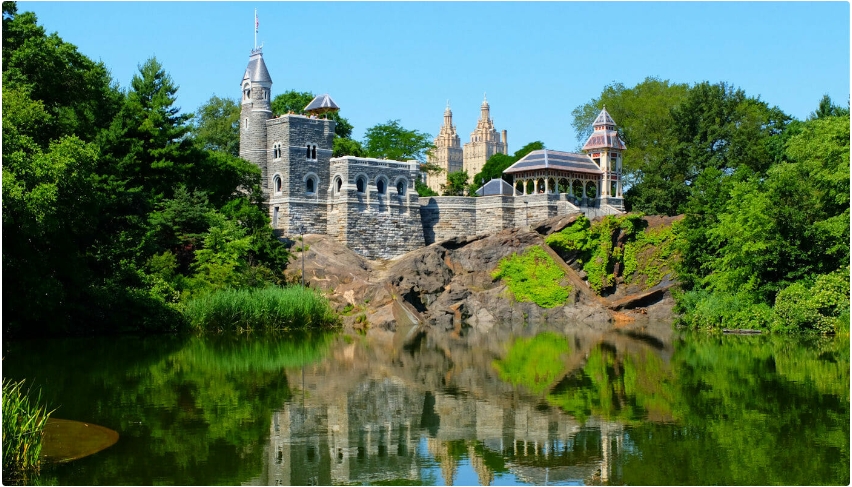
column 276, row 183
column 613, row 188
column 591, row 189
column 577, row 188
column 563, row 186
column 380, row 186
column 338, row 183
column 308, row 151
column 551, row 185
column 530, row 186
column 314, row 153
column 540, row 184
column 519, row 187
column 310, row 185
column 359, row 185
column 400, row 188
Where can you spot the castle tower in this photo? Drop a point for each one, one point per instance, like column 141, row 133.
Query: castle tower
column 485, row 141
column 605, row 147
column 256, row 94
column 447, row 155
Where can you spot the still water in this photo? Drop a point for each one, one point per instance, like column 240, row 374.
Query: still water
column 539, row 407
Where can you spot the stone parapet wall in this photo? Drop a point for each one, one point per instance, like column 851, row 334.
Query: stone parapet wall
column 373, row 224
column 445, row 217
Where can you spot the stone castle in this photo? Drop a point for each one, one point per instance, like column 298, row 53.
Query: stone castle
column 371, row 206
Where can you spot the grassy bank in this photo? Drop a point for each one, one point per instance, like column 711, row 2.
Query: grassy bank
column 23, row 429
column 267, row 309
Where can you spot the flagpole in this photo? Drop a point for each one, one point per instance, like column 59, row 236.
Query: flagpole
column 255, row 29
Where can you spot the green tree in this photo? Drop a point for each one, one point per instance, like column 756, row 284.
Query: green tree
column 77, row 93
column 347, row 147
column 767, row 233
column 216, row 125
column 827, row 108
column 293, row 101
column 390, row 140
column 496, row 164
column 715, row 130
column 643, row 116
column 456, row 184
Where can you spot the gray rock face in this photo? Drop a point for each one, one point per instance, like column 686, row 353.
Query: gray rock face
column 446, row 286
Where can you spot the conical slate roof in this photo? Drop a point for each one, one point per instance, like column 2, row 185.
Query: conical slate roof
column 603, row 118
column 322, row 103
column 256, row 70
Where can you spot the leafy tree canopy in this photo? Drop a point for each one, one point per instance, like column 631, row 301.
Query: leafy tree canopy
column 216, row 125
column 390, row 140
column 642, row 114
column 827, row 108
column 456, row 184
column 496, row 164
column 293, row 101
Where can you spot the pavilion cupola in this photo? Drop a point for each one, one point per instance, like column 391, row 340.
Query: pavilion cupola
column 604, row 135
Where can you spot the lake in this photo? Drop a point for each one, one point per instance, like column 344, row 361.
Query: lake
column 537, row 406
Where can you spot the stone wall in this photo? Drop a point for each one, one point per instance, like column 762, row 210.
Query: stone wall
column 445, row 217
column 376, row 224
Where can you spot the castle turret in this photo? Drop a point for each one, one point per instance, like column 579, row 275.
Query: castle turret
column 256, row 110
column 605, row 147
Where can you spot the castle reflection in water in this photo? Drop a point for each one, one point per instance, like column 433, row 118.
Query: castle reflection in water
column 351, row 423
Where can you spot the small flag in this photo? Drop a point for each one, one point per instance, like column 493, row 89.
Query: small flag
column 256, row 22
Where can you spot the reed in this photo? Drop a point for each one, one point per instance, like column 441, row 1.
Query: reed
column 267, row 309
column 23, row 430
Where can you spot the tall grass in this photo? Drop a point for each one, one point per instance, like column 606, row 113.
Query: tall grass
column 267, row 309
column 23, row 429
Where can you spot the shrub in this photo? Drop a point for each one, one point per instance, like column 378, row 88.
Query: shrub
column 821, row 307
column 705, row 310
column 268, row 309
column 533, row 277
column 23, row 429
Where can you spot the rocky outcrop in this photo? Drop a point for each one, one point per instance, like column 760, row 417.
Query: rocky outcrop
column 447, row 286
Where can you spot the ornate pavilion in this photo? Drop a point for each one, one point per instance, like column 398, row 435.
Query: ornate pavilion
column 594, row 174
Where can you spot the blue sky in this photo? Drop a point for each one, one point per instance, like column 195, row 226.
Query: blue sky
column 536, row 61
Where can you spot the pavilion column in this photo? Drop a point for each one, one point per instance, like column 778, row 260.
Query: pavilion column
column 525, row 186
column 584, row 190
column 571, row 187
column 546, row 185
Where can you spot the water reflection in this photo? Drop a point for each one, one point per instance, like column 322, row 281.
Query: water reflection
column 541, row 406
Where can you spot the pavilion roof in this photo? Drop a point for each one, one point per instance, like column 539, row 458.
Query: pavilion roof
column 556, row 160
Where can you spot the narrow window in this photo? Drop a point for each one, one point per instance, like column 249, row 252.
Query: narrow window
column 400, row 188
column 339, row 184
column 307, row 151
column 309, row 185
column 277, row 184
column 359, row 185
column 246, row 123
column 314, row 153
column 275, row 218
column 380, row 186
